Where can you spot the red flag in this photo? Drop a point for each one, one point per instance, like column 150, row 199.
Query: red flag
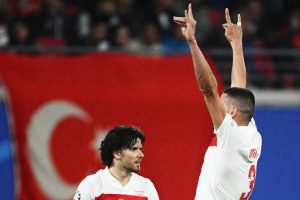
column 63, row 106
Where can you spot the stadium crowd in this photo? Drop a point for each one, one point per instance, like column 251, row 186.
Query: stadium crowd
column 147, row 26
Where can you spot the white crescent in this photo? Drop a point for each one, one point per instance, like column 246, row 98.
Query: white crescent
column 39, row 131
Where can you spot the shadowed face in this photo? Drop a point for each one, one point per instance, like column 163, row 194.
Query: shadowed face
column 130, row 159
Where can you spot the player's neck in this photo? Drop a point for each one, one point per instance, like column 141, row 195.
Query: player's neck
column 120, row 174
column 241, row 122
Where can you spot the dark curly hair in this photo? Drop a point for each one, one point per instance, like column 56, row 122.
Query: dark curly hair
column 118, row 138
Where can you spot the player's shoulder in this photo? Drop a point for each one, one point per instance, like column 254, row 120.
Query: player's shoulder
column 254, row 132
column 96, row 175
column 93, row 178
column 253, row 136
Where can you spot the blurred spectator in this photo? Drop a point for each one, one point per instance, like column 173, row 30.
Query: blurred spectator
column 143, row 12
column 261, row 67
column 4, row 38
column 24, row 7
column 290, row 39
column 83, row 23
column 147, row 26
column 4, row 15
column 202, row 15
column 148, row 41
column 98, row 37
column 69, row 22
column 121, row 38
column 20, row 34
column 52, row 25
column 105, row 11
column 165, row 13
column 294, row 29
column 124, row 9
column 204, row 23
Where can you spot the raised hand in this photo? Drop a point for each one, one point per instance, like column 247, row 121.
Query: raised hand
column 233, row 32
column 187, row 24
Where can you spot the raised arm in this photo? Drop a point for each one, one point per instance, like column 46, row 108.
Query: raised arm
column 205, row 78
column 234, row 34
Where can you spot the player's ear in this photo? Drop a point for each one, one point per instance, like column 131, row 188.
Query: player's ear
column 117, row 154
column 233, row 111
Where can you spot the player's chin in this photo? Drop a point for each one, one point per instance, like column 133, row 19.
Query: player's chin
column 136, row 168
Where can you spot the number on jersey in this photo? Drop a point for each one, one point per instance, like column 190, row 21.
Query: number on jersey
column 251, row 177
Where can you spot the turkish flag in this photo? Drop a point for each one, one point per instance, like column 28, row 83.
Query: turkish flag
column 64, row 105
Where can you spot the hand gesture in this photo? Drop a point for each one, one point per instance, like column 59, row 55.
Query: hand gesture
column 233, row 32
column 187, row 24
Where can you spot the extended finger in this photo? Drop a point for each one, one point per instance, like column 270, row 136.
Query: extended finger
column 190, row 13
column 180, row 23
column 227, row 16
column 239, row 22
column 225, row 25
column 179, row 19
column 185, row 14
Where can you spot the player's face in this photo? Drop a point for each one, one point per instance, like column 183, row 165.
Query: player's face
column 131, row 158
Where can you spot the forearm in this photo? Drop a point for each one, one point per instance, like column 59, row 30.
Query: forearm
column 205, row 78
column 238, row 74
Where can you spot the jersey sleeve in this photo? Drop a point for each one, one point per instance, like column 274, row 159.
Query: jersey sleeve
column 85, row 190
column 227, row 134
column 153, row 195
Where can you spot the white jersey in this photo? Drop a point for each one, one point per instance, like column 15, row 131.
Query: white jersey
column 229, row 168
column 103, row 186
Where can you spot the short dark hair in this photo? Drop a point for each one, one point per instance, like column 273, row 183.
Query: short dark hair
column 243, row 99
column 118, row 138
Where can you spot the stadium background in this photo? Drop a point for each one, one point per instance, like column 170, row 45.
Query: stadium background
column 60, row 94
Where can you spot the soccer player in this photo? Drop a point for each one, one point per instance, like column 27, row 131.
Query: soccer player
column 121, row 152
column 230, row 163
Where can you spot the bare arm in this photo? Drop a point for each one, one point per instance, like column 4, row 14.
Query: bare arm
column 234, row 34
column 205, row 78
